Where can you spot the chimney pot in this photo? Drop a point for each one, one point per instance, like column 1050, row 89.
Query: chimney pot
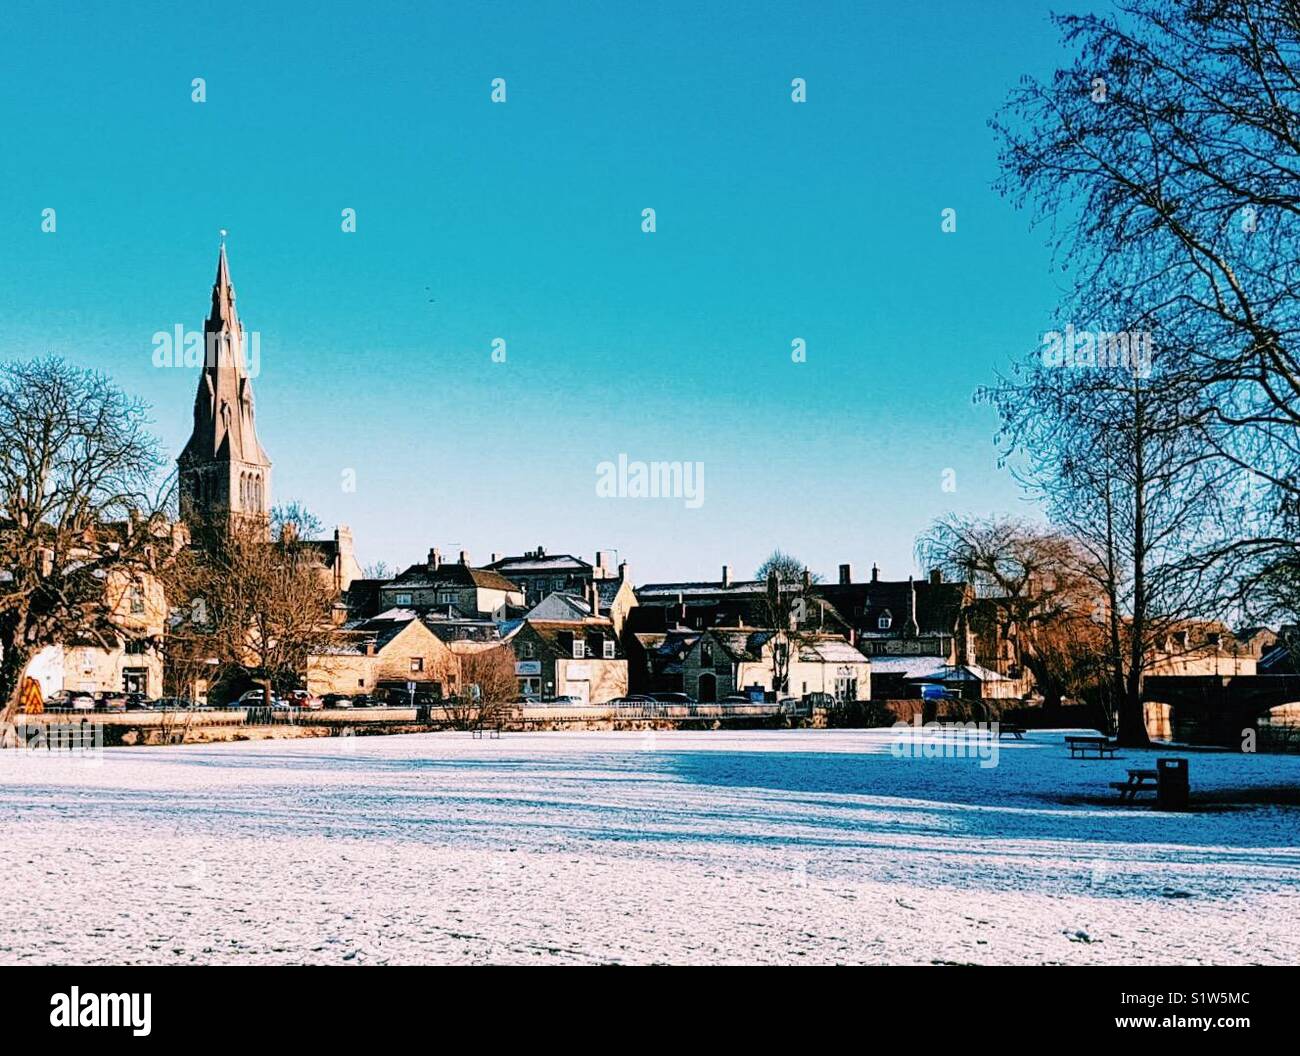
column 726, row 575
column 846, row 575
column 435, row 559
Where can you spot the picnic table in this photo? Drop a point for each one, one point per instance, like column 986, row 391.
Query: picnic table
column 1138, row 781
column 1010, row 729
column 1080, row 746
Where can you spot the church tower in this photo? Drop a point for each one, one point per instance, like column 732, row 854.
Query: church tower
column 225, row 476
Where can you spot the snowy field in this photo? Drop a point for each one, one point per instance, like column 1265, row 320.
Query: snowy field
column 761, row 846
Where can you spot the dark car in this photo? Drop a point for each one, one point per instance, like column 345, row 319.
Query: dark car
column 336, row 700
column 365, row 700
column 673, row 698
column 137, row 702
column 633, row 698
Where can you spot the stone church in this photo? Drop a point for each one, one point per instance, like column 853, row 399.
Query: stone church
column 225, row 474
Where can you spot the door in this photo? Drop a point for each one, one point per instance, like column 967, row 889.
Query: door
column 708, row 688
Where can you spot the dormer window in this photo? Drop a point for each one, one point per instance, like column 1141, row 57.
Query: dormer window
column 579, row 649
column 885, row 621
column 607, row 648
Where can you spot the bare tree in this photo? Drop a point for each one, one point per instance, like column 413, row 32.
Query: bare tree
column 487, row 685
column 1165, row 157
column 257, row 605
column 786, row 606
column 1029, row 586
column 1117, row 458
column 81, row 524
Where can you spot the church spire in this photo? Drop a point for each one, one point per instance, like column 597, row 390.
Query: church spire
column 224, row 470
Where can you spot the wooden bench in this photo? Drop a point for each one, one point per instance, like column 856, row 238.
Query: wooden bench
column 1010, row 729
column 1079, row 747
column 1138, row 781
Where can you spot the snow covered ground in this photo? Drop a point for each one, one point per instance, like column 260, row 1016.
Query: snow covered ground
column 761, row 846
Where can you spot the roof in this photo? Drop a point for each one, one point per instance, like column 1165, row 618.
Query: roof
column 697, row 590
column 938, row 605
column 560, row 606
column 451, row 575
column 539, row 562
column 590, row 629
column 742, row 644
column 908, row 666
column 830, row 649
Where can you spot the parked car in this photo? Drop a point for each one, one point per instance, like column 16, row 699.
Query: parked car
column 169, row 704
column 365, row 700
column 819, row 700
column 137, row 702
column 110, row 701
column 256, row 698
column 300, row 698
column 634, row 698
column 336, row 700
column 70, row 700
column 673, row 698
column 735, row 698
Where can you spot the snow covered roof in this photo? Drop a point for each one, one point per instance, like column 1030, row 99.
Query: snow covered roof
column 830, row 649
column 908, row 666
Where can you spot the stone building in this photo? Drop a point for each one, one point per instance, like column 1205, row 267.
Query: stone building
column 437, row 584
column 224, row 472
column 538, row 573
column 384, row 655
column 722, row 661
column 579, row 658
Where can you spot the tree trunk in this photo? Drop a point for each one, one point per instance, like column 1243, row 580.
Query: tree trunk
column 13, row 669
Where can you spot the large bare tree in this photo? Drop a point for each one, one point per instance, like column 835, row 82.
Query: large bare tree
column 1166, row 156
column 1029, row 586
column 81, row 527
column 256, row 599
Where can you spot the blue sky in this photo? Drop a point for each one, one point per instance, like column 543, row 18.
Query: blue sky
column 522, row 221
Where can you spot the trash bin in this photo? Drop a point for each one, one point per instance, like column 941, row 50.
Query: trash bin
column 1172, row 787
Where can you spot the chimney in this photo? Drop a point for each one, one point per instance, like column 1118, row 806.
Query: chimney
column 541, row 552
column 435, row 559
column 936, row 575
column 599, row 571
column 622, row 570
column 595, row 599
column 495, row 558
column 464, row 557
column 846, row 575
column 726, row 575
column 875, row 572
column 807, row 579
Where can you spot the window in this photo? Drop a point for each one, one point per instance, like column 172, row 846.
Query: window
column 706, row 654
column 885, row 621
column 417, row 663
column 525, row 650
column 361, row 682
column 446, row 597
column 608, row 649
column 137, row 601
column 579, row 649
